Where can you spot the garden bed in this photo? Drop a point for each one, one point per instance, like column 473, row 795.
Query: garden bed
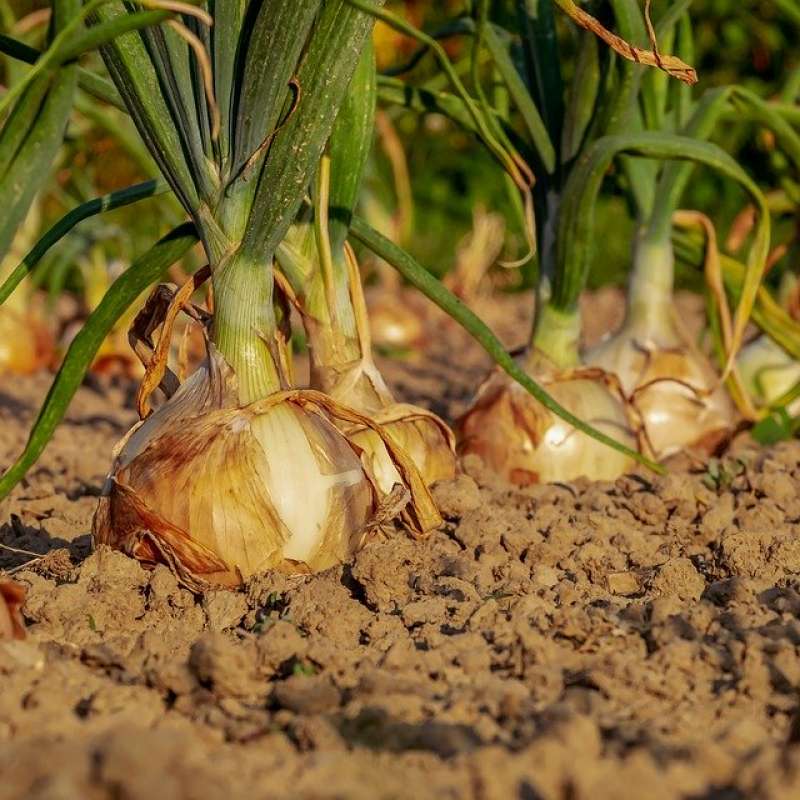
column 594, row 640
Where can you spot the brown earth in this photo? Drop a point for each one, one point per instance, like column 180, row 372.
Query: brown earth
column 635, row 639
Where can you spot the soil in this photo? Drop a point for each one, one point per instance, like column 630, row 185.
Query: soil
column 634, row 639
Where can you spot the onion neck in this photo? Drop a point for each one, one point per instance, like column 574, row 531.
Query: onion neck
column 244, row 324
column 557, row 336
column 650, row 293
column 330, row 322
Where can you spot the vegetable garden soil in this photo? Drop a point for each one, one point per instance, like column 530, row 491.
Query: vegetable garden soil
column 635, row 639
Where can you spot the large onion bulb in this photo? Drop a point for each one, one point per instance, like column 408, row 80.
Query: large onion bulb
column 526, row 443
column 220, row 492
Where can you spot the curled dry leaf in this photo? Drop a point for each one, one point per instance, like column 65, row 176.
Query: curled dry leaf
column 219, row 491
column 670, row 64
column 12, row 596
column 526, row 443
column 425, row 437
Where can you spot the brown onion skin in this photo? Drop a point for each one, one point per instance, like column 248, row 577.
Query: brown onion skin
column 674, row 389
column 526, row 443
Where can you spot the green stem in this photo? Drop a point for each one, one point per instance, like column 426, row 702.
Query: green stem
column 557, row 336
column 244, row 324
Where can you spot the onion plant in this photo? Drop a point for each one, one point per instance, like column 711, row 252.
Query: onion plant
column 241, row 471
column 651, row 355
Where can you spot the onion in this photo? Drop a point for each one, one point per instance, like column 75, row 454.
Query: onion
column 671, row 384
column 26, row 343
column 394, row 322
column 26, row 340
column 220, row 491
column 768, row 372
column 12, row 596
column 526, row 443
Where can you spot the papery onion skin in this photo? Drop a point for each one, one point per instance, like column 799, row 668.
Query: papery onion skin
column 12, row 596
column 422, row 434
column 525, row 443
column 212, row 489
column 426, row 438
column 672, row 386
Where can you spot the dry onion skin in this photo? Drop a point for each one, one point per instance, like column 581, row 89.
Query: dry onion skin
column 526, row 443
column 12, row 596
column 673, row 387
column 219, row 491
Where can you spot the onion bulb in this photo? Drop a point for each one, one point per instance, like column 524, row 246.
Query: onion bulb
column 524, row 442
column 220, row 491
column 672, row 385
column 395, row 323
column 12, row 596
column 26, row 340
column 768, row 372
column 26, row 343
